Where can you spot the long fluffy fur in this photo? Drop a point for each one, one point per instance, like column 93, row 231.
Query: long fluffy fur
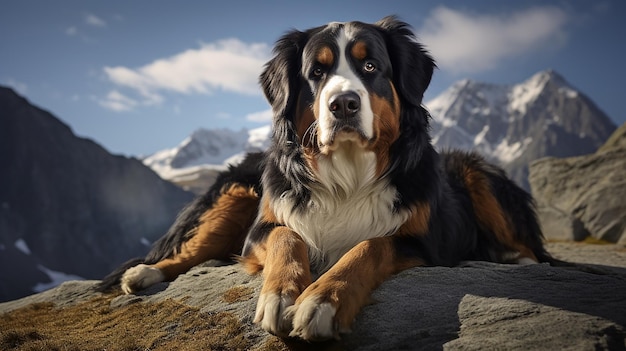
column 378, row 201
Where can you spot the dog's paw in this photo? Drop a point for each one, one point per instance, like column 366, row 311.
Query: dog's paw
column 313, row 320
column 140, row 277
column 270, row 311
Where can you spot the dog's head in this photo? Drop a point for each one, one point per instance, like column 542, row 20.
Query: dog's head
column 346, row 83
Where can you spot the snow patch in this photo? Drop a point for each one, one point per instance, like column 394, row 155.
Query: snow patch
column 21, row 245
column 506, row 152
column 56, row 278
column 480, row 137
column 569, row 93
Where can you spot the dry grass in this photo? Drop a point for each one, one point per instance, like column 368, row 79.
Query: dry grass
column 594, row 241
column 238, row 294
column 93, row 325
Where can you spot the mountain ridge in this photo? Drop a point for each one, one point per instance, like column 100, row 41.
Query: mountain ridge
column 511, row 125
column 67, row 206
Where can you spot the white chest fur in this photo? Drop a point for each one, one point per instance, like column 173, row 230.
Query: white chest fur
column 348, row 205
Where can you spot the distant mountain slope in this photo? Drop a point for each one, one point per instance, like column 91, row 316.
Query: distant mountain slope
column 514, row 125
column 67, row 206
column 196, row 161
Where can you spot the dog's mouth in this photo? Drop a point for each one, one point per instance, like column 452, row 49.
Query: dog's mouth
column 343, row 136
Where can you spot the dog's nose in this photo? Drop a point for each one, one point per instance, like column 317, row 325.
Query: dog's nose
column 344, row 105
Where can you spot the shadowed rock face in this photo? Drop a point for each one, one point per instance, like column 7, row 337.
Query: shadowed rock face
column 475, row 307
column 67, row 205
column 583, row 196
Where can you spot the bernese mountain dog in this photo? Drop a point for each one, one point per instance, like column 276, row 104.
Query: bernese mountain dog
column 351, row 190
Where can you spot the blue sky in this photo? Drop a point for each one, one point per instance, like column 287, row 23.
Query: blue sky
column 139, row 76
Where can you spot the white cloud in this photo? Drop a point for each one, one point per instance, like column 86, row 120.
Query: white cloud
column 118, row 102
column 94, row 20
column 228, row 65
column 262, row 116
column 466, row 43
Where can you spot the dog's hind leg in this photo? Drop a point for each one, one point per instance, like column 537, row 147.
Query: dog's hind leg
column 219, row 235
column 504, row 212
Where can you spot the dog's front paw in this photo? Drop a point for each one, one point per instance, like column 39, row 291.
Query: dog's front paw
column 270, row 312
column 313, row 319
column 140, row 277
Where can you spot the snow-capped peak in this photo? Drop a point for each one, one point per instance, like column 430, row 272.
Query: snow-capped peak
column 507, row 123
column 208, row 148
column 521, row 95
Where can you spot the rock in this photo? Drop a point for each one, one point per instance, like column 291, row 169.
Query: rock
column 525, row 325
column 589, row 188
column 616, row 140
column 561, row 225
column 474, row 307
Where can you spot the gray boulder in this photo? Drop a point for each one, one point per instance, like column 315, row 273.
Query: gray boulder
column 477, row 306
column 589, row 189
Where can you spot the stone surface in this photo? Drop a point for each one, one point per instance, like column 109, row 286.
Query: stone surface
column 560, row 225
column 590, row 189
column 474, row 307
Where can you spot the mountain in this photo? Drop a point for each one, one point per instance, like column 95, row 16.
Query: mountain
column 513, row 125
column 68, row 208
column 196, row 161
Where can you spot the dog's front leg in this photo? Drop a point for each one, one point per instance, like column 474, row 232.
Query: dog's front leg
column 286, row 274
column 329, row 305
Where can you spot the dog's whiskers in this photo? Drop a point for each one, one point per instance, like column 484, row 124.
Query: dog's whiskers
column 310, row 135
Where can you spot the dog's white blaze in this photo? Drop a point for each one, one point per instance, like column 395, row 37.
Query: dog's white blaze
column 344, row 79
column 348, row 205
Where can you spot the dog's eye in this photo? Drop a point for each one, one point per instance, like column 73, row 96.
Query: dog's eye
column 317, row 72
column 369, row 67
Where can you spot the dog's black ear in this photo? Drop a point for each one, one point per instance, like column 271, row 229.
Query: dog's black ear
column 280, row 78
column 412, row 65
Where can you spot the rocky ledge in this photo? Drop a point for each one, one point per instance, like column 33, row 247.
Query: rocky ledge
column 580, row 197
column 477, row 306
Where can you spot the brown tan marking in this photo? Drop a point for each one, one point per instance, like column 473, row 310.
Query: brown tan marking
column 418, row 222
column 267, row 214
column 386, row 127
column 490, row 214
column 325, row 56
column 286, row 267
column 347, row 286
column 221, row 232
column 286, row 273
column 359, row 50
